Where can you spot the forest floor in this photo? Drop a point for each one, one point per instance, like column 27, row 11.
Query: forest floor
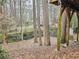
column 26, row 49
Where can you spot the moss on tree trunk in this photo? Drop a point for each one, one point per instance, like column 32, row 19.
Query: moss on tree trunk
column 59, row 32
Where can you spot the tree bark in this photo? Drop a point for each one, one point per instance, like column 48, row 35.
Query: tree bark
column 34, row 22
column 3, row 31
column 38, row 22
column 0, row 9
column 46, row 23
column 21, row 21
column 11, row 8
column 68, row 26
column 78, row 26
column 59, row 28
column 63, row 27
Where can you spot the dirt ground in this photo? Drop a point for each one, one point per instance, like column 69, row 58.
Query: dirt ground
column 28, row 50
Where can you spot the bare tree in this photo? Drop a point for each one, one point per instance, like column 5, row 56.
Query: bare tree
column 11, row 8
column 14, row 9
column 38, row 22
column 34, row 22
column 63, row 27
column 2, row 2
column 21, row 21
column 46, row 22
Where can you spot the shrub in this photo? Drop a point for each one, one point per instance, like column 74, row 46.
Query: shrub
column 28, row 35
column 3, row 54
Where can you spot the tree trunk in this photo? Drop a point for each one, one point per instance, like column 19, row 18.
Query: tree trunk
column 14, row 9
column 0, row 9
column 38, row 22
column 34, row 22
column 46, row 23
column 68, row 26
column 21, row 21
column 63, row 27
column 15, row 16
column 78, row 26
column 59, row 28
column 5, row 41
column 11, row 8
column 3, row 33
column 67, row 32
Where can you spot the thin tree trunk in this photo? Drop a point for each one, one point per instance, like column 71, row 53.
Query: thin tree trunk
column 4, row 37
column 14, row 9
column 67, row 33
column 68, row 26
column 0, row 9
column 78, row 26
column 38, row 22
column 34, row 22
column 46, row 23
column 11, row 8
column 4, row 34
column 21, row 21
column 15, row 16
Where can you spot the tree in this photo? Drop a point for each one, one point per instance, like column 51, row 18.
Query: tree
column 2, row 2
column 46, row 23
column 78, row 26
column 63, row 27
column 34, row 22
column 38, row 22
column 11, row 8
column 14, row 9
column 4, row 9
column 69, row 17
column 6, row 24
column 21, row 20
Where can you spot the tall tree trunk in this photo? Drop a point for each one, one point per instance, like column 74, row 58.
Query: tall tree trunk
column 21, row 20
column 14, row 9
column 15, row 16
column 0, row 9
column 67, row 33
column 46, row 23
column 4, row 32
column 11, row 8
column 34, row 22
column 63, row 27
column 4, row 38
column 68, row 26
column 5, row 10
column 59, row 28
column 38, row 22
column 78, row 26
